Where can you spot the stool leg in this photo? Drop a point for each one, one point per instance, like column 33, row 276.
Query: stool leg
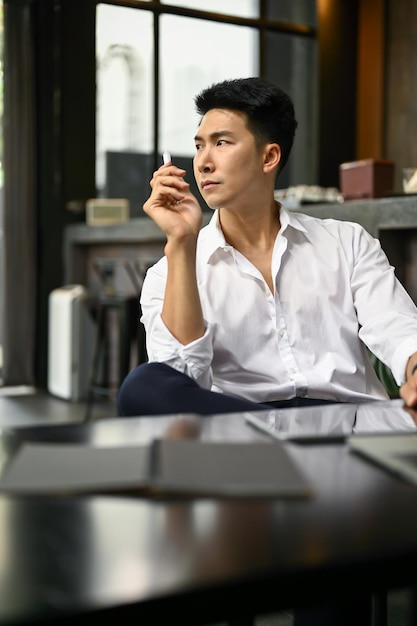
column 124, row 341
column 95, row 361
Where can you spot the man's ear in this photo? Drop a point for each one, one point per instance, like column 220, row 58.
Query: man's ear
column 272, row 157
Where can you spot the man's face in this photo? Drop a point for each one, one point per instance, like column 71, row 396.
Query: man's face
column 227, row 165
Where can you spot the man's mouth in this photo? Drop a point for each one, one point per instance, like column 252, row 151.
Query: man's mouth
column 208, row 184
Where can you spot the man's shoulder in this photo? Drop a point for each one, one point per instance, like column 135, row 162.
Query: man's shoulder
column 334, row 225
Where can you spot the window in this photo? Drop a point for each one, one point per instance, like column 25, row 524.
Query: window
column 125, row 100
column 189, row 62
column 145, row 90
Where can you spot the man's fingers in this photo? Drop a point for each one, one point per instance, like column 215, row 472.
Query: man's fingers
column 168, row 184
column 408, row 393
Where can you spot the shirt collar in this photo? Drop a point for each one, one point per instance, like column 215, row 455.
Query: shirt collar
column 289, row 219
column 212, row 239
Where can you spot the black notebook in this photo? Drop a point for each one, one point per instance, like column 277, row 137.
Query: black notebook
column 165, row 467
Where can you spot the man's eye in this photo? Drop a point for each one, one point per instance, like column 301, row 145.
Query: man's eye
column 197, row 147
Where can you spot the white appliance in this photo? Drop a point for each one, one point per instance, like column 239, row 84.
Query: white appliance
column 71, row 333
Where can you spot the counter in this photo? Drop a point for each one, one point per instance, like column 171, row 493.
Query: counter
column 393, row 220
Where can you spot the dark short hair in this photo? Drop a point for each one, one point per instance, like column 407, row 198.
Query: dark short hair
column 269, row 110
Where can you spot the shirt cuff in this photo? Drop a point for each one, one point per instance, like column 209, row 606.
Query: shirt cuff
column 400, row 359
column 193, row 359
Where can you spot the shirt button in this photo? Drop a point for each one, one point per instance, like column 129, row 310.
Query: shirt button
column 293, row 370
column 281, row 332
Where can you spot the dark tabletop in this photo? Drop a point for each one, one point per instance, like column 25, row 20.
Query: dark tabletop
column 205, row 560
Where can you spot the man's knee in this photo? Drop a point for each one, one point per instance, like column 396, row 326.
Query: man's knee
column 146, row 388
column 130, row 389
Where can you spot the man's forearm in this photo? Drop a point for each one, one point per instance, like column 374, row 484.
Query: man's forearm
column 181, row 311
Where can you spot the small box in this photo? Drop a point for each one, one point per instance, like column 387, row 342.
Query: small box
column 369, row 178
column 106, row 211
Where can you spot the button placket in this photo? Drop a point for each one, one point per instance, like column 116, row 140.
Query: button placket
column 288, row 359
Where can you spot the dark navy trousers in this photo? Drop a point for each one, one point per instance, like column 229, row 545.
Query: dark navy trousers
column 158, row 389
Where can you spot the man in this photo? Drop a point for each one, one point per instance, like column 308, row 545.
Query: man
column 261, row 307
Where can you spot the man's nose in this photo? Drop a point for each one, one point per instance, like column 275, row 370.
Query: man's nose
column 204, row 160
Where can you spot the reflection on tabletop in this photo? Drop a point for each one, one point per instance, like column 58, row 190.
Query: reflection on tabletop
column 335, row 421
column 330, row 421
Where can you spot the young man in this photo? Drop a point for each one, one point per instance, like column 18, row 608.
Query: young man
column 262, row 306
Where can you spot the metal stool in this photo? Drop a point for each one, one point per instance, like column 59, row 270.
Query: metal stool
column 116, row 314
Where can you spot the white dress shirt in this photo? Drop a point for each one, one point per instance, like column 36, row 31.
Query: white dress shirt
column 334, row 292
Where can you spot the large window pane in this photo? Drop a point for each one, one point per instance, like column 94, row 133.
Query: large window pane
column 195, row 54
column 242, row 8
column 124, row 50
